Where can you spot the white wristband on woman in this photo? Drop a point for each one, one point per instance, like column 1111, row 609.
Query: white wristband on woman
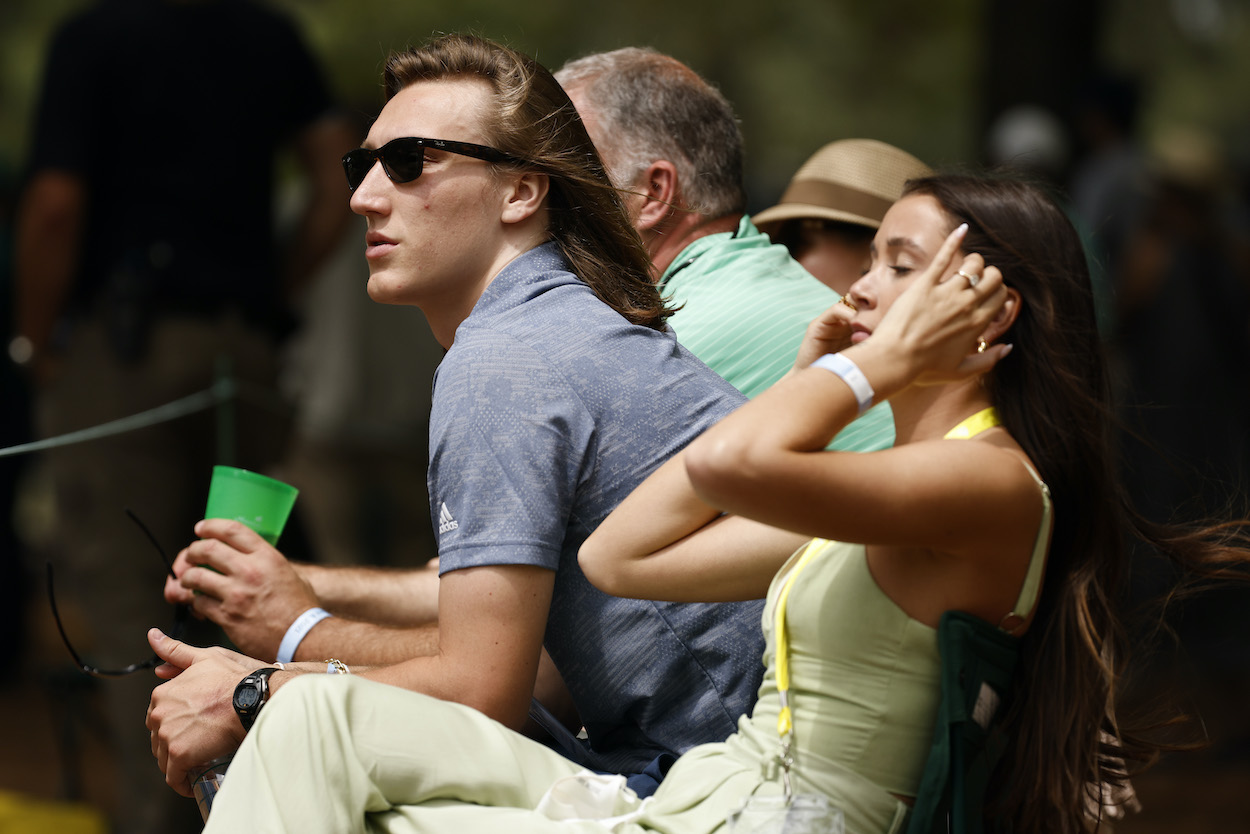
column 849, row 373
column 298, row 630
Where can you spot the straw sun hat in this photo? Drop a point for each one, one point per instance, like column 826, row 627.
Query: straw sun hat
column 851, row 180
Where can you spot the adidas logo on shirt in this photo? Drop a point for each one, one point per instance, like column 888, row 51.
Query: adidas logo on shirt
column 445, row 522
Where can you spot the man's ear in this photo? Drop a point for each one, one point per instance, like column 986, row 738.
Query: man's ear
column 1005, row 318
column 659, row 187
column 525, row 198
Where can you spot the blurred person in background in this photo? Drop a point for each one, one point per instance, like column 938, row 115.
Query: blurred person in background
column 834, row 204
column 1183, row 347
column 1030, row 139
column 1183, row 336
column 146, row 266
column 1109, row 181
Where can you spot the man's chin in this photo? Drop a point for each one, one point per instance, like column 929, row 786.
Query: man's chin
column 379, row 292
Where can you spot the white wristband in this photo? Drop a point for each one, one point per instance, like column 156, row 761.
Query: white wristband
column 296, row 633
column 849, row 373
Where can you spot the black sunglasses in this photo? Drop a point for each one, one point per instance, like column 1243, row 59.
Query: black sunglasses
column 403, row 159
column 180, row 618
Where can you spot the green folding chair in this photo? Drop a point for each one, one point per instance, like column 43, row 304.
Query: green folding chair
column 978, row 661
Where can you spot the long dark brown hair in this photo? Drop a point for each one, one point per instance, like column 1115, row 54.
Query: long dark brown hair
column 1053, row 394
column 532, row 119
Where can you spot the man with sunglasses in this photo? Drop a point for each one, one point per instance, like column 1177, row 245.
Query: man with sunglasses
column 489, row 210
column 671, row 142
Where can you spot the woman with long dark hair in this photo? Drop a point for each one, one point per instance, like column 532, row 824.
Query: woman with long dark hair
column 942, row 526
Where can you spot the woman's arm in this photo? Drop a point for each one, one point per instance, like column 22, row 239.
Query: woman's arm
column 955, row 497
column 663, row 542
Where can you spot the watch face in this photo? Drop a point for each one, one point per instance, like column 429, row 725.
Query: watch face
column 247, row 698
column 250, row 695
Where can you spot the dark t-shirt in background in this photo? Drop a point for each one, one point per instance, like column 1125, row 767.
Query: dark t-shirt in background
column 173, row 113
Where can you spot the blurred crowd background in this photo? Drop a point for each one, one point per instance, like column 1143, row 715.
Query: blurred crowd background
column 1133, row 109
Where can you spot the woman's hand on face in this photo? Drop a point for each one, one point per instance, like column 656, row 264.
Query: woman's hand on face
column 937, row 321
column 830, row 332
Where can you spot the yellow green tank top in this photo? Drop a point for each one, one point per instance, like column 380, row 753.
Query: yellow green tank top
column 864, row 676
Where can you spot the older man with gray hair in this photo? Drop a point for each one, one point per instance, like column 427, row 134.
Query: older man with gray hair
column 671, row 141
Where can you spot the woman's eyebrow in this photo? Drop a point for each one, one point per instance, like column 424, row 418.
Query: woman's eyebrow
column 899, row 242
column 903, row 243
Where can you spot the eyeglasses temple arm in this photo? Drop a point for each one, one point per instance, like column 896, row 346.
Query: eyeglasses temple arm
column 94, row 671
column 180, row 615
column 159, row 550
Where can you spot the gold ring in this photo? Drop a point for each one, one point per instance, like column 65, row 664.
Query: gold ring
column 846, row 300
column 973, row 280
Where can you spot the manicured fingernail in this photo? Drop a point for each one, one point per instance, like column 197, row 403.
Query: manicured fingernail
column 961, row 229
column 1007, row 349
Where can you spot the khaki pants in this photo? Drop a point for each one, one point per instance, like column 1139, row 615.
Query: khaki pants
column 338, row 754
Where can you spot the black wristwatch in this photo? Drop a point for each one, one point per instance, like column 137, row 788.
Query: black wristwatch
column 251, row 694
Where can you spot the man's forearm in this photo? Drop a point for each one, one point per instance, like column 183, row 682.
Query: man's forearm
column 435, row 676
column 367, row 644
column 486, row 653
column 397, row 598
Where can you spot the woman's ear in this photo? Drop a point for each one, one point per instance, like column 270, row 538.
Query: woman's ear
column 1005, row 317
column 525, row 198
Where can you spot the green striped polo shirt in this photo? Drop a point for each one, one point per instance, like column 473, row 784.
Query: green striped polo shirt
column 746, row 305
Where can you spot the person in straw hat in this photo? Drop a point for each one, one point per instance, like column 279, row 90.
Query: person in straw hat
column 834, row 204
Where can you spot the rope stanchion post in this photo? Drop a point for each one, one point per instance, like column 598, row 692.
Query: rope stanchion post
column 226, row 414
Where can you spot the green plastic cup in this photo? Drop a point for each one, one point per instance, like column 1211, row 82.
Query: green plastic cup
column 260, row 502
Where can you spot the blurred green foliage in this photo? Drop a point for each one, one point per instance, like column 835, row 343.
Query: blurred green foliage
column 799, row 72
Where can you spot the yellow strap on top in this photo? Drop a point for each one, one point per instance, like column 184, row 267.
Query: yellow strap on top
column 784, row 722
column 985, row 419
column 971, row 427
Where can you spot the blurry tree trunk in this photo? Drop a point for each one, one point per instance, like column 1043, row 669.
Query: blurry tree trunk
column 1038, row 52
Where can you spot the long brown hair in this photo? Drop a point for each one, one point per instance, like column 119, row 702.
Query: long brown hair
column 532, row 119
column 1053, row 393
